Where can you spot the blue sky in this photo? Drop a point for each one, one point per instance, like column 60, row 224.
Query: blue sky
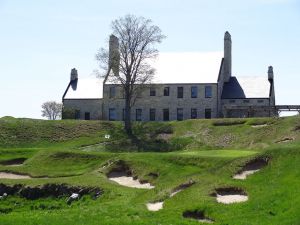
column 40, row 41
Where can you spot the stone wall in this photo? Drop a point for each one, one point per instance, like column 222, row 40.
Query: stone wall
column 92, row 106
column 145, row 102
column 241, row 113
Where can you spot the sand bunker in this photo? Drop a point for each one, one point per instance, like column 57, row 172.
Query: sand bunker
column 230, row 195
column 5, row 175
column 159, row 205
column 123, row 175
column 259, row 125
column 243, row 175
column 13, row 162
column 155, row 206
column 197, row 215
column 229, row 199
column 123, row 179
column 251, row 167
column 181, row 187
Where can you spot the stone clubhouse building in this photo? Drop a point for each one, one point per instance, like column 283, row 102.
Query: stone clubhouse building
column 194, row 86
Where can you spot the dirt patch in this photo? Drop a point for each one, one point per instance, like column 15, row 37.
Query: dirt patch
column 6, row 175
column 48, row 190
column 155, row 206
column 13, row 162
column 251, row 167
column 284, row 140
column 229, row 195
column 197, row 215
column 123, row 175
column 181, row 187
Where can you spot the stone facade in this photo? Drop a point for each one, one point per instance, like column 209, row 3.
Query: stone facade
column 198, row 103
column 85, row 109
column 174, row 101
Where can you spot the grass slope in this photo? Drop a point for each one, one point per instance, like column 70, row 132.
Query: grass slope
column 208, row 152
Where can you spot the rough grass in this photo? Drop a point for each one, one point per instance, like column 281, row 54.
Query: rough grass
column 273, row 192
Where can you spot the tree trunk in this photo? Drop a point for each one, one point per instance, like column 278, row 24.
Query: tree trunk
column 128, row 127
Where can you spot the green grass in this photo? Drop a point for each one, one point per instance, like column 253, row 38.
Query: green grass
column 197, row 150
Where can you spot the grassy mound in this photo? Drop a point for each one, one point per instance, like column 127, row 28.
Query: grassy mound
column 168, row 155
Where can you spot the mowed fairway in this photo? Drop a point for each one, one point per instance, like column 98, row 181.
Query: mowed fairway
column 273, row 192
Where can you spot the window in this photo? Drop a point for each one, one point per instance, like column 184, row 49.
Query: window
column 207, row 113
column 260, row 101
column 166, row 114
column 231, row 101
column 193, row 113
column 180, row 114
column 166, row 91
column 87, row 116
column 208, row 92
column 246, row 101
column 112, row 114
column 123, row 114
column 138, row 114
column 77, row 114
column 179, row 92
column 112, row 92
column 194, row 92
column 152, row 114
column 152, row 91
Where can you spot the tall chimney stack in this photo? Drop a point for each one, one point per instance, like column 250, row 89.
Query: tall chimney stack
column 270, row 74
column 74, row 74
column 227, row 56
column 114, row 54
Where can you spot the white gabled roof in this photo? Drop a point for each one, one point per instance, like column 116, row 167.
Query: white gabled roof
column 255, row 87
column 246, row 87
column 187, row 67
column 85, row 88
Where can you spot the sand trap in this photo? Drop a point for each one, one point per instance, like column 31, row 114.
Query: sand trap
column 259, row 125
column 159, row 205
column 251, row 167
column 175, row 192
column 229, row 195
column 229, row 199
column 5, row 175
column 13, row 162
column 181, row 187
column 197, row 215
column 243, row 175
column 155, row 206
column 123, row 175
column 125, row 180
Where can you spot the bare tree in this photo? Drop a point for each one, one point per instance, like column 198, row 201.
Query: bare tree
column 52, row 110
column 127, row 61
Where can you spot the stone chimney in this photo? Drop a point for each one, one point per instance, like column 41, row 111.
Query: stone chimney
column 114, row 54
column 227, row 56
column 270, row 74
column 74, row 74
